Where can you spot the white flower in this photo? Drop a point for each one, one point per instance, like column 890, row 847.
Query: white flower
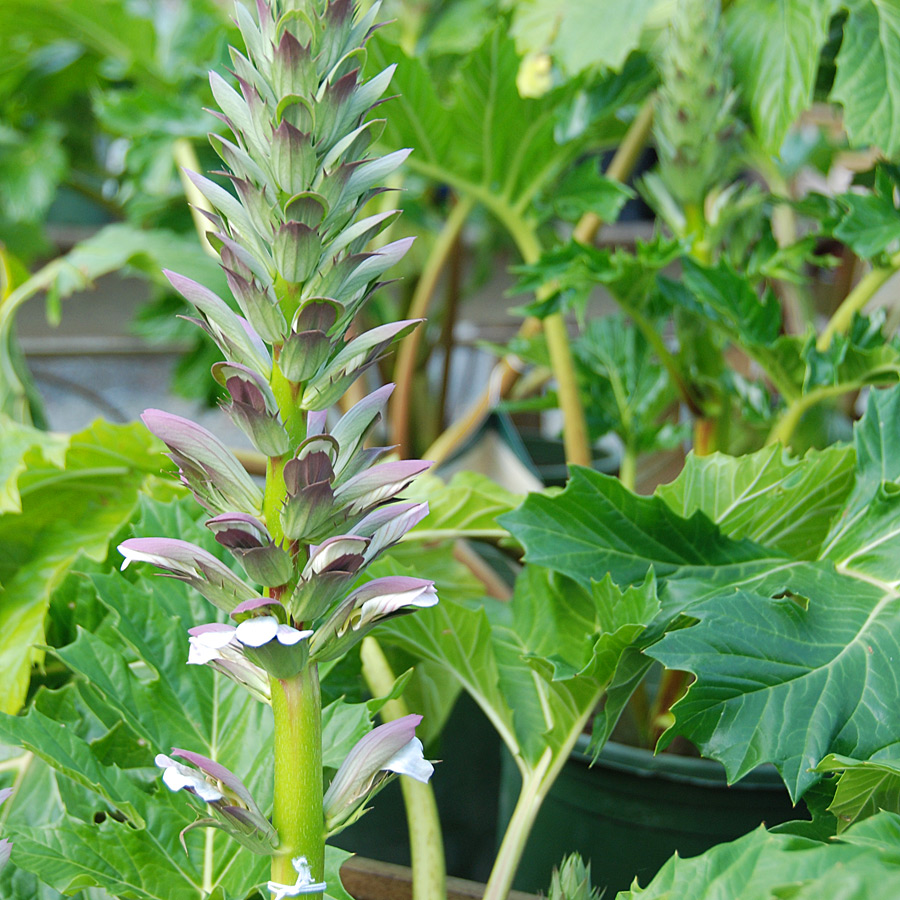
column 410, row 760
column 209, row 644
column 261, row 630
column 177, row 777
column 303, row 885
column 392, row 748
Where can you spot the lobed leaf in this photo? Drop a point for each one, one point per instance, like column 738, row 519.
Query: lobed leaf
column 775, row 49
column 867, row 83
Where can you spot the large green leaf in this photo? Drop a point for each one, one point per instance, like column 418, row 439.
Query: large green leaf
column 793, row 654
column 596, row 526
column 867, row 83
column 457, row 638
column 789, row 680
column 23, row 446
column 768, row 496
column 765, row 866
column 69, row 508
column 465, row 507
column 783, row 684
column 865, row 539
column 538, row 664
column 775, row 46
column 134, row 696
column 574, row 640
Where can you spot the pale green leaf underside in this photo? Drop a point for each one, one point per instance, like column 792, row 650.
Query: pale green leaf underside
column 580, row 34
column 775, row 46
column 867, row 82
column 767, row 496
column 465, row 507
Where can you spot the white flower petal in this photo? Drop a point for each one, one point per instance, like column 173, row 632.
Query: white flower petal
column 177, row 777
column 410, row 760
column 258, row 631
column 290, row 636
column 207, row 646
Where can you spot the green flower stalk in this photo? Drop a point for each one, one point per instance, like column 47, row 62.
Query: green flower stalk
column 291, row 238
column 695, row 126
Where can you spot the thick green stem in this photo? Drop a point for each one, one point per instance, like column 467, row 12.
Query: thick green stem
column 535, row 785
column 273, row 498
column 628, row 467
column 506, row 373
column 297, row 812
column 426, row 841
column 784, row 428
column 418, row 309
column 536, row 782
column 575, row 432
column 295, row 424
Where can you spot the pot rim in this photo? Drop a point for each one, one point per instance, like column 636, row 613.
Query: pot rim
column 685, row 769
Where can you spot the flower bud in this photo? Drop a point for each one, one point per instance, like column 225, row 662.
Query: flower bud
column 387, row 524
column 379, row 599
column 228, row 799
column 309, row 502
column 354, row 426
column 351, row 361
column 211, row 471
column 373, row 486
column 296, row 248
column 293, row 158
column 331, row 567
column 257, row 303
column 191, row 564
column 253, row 407
column 392, row 748
column 247, row 538
column 233, row 335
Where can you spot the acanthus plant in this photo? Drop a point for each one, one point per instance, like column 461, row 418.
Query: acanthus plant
column 291, row 240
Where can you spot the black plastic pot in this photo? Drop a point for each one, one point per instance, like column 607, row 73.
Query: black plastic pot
column 632, row 810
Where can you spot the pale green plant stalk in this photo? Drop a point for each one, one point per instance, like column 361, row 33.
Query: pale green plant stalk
column 506, row 373
column 426, row 839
